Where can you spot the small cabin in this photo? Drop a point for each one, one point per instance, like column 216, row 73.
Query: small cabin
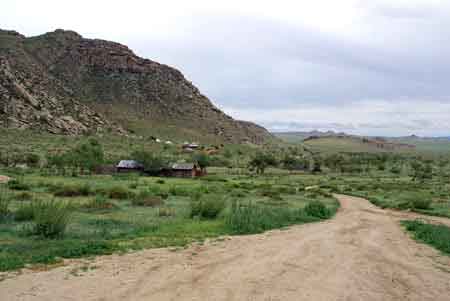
column 129, row 166
column 186, row 170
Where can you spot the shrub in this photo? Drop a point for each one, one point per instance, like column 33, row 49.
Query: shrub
column 437, row 236
column 160, row 181
column 117, row 192
column 145, row 199
column 421, row 203
column 99, row 202
column 317, row 209
column 25, row 212
column 248, row 218
column 51, row 218
column 18, row 185
column 133, row 185
column 179, row 191
column 73, row 190
column 204, row 207
column 166, row 212
column 4, row 206
column 23, row 196
column 238, row 193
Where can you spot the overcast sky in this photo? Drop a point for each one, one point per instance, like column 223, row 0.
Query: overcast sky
column 374, row 67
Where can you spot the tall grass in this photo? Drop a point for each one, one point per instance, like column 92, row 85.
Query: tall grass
column 248, row 218
column 51, row 218
column 206, row 206
column 4, row 205
column 437, row 236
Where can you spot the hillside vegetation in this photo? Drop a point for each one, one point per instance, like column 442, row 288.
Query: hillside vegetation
column 62, row 83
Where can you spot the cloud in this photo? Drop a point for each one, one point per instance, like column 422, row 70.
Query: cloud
column 376, row 66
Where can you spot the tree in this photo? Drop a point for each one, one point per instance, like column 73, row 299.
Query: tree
column 202, row 160
column 88, row 155
column 294, row 163
column 261, row 161
column 317, row 165
column 152, row 162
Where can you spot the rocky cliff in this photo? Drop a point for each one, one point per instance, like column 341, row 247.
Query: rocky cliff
column 63, row 83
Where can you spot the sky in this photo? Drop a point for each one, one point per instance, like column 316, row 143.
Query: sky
column 373, row 67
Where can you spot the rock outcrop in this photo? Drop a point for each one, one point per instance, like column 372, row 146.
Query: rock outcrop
column 62, row 83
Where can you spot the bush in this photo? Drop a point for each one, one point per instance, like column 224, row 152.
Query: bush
column 166, row 212
column 4, row 206
column 437, row 236
column 145, row 199
column 99, row 202
column 51, row 218
column 156, row 190
column 117, row 192
column 179, row 191
column 160, row 181
column 23, row 196
column 73, row 190
column 421, row 203
column 248, row 218
column 208, row 208
column 25, row 212
column 317, row 209
column 18, row 185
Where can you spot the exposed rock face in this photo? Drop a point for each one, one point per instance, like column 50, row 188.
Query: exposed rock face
column 63, row 83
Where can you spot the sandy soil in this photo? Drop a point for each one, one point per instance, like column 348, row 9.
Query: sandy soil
column 362, row 254
column 4, row 179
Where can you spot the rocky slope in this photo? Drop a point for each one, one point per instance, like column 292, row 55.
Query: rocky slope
column 62, row 83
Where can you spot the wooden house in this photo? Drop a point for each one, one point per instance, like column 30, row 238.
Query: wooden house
column 186, row 170
column 129, row 166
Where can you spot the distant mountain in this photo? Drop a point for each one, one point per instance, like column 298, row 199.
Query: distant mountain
column 332, row 141
column 299, row 136
column 60, row 82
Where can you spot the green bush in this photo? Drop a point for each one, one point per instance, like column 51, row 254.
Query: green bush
column 4, row 206
column 25, row 212
column 166, row 212
column 248, row 218
column 117, row 192
column 99, row 202
column 437, row 236
column 180, row 191
column 73, row 190
column 18, row 185
column 317, row 209
column 144, row 198
column 51, row 218
column 421, row 203
column 23, row 196
column 206, row 206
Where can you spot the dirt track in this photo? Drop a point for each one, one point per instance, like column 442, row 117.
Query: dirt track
column 362, row 254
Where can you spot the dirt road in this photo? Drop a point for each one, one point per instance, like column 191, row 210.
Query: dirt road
column 362, row 254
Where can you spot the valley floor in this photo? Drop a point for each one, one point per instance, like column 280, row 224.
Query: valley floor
column 361, row 254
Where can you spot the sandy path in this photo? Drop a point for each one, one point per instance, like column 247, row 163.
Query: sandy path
column 362, row 254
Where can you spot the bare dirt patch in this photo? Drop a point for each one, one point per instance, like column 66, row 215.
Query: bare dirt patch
column 362, row 254
column 4, row 179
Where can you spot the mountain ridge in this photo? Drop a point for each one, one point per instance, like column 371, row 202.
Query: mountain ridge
column 61, row 82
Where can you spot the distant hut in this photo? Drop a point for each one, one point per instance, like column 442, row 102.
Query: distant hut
column 129, row 166
column 186, row 170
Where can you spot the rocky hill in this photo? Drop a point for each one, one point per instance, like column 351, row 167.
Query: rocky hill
column 61, row 82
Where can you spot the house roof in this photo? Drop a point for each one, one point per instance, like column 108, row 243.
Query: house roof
column 129, row 164
column 183, row 166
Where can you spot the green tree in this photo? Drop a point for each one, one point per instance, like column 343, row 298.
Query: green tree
column 261, row 161
column 152, row 162
column 202, row 160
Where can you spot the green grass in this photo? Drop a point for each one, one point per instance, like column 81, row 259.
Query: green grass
column 119, row 213
column 437, row 236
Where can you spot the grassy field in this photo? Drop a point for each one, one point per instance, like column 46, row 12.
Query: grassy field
column 127, row 212
column 430, row 197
